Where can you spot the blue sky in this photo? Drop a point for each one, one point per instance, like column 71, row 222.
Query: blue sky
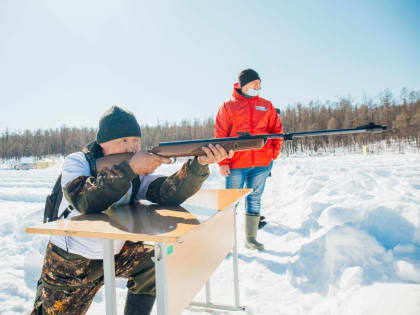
column 66, row 62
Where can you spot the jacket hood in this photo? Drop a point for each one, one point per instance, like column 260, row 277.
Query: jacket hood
column 236, row 95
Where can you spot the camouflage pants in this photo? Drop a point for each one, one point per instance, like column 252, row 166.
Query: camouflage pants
column 70, row 282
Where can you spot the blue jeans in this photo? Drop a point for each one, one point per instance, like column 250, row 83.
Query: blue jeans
column 252, row 177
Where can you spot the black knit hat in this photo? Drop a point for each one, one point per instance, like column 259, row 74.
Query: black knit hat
column 116, row 123
column 246, row 76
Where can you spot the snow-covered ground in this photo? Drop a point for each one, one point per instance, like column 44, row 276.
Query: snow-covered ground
column 343, row 238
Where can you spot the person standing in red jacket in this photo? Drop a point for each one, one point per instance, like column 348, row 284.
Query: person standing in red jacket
column 247, row 112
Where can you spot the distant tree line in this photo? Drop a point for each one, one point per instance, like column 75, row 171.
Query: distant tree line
column 401, row 115
column 40, row 143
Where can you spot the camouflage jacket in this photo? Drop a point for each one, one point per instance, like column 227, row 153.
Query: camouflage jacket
column 90, row 194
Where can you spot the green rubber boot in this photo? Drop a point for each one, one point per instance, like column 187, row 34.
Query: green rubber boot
column 251, row 228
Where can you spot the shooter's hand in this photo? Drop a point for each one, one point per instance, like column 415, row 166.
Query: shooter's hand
column 144, row 163
column 214, row 154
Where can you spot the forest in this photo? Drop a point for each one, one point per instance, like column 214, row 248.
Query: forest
column 400, row 114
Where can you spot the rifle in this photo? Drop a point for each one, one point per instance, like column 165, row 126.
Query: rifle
column 244, row 142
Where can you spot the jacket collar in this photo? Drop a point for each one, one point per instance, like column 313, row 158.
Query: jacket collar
column 238, row 96
column 95, row 149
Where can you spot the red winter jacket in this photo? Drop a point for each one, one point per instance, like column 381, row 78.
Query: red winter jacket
column 254, row 115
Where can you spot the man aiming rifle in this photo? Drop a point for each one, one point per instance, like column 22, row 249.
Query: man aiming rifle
column 72, row 272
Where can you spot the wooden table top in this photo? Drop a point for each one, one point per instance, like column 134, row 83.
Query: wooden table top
column 153, row 222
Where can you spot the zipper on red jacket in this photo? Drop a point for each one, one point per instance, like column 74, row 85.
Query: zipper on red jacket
column 252, row 132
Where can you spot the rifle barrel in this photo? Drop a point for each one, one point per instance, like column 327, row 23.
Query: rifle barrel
column 373, row 128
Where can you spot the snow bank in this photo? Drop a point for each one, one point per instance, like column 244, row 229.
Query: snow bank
column 342, row 238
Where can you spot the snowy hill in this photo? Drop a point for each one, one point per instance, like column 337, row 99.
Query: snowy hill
column 343, row 238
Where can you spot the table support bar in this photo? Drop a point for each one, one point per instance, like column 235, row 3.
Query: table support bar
column 218, row 306
column 109, row 277
column 161, row 253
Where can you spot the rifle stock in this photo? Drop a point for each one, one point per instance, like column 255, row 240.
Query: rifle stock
column 193, row 147
column 111, row 160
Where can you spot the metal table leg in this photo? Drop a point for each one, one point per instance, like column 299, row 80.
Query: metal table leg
column 109, row 277
column 161, row 278
column 235, row 266
column 208, row 295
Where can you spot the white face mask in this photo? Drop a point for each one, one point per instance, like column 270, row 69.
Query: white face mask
column 252, row 92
